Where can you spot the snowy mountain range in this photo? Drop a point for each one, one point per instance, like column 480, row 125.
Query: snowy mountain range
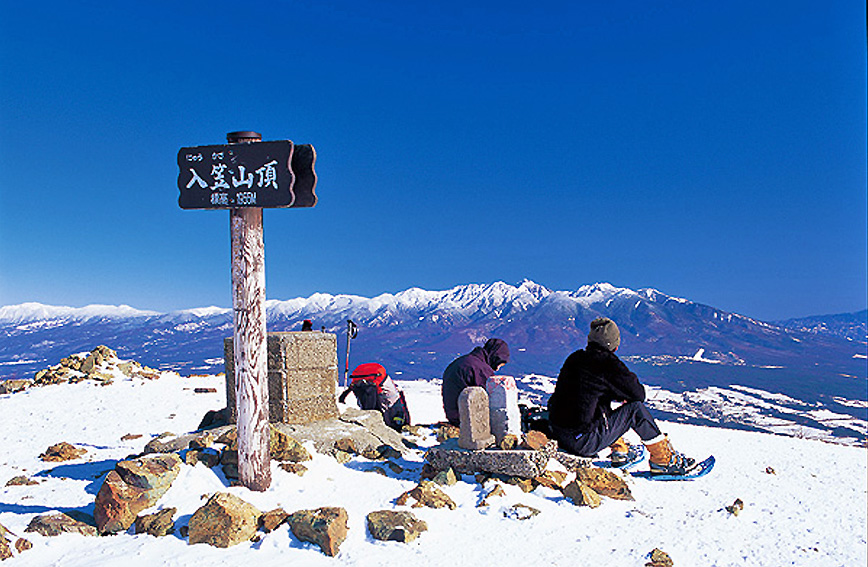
column 671, row 342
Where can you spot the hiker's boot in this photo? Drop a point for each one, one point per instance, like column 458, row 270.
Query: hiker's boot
column 666, row 460
column 620, row 454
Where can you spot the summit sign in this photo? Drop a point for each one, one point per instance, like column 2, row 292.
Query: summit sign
column 275, row 174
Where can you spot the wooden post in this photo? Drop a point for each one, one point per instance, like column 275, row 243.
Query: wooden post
column 251, row 355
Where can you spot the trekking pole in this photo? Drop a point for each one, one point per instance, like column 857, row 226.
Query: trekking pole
column 352, row 332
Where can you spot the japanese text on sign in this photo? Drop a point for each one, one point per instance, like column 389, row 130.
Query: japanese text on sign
column 236, row 175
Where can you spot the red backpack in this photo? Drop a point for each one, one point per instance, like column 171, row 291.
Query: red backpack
column 373, row 389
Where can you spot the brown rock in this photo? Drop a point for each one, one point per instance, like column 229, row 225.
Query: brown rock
column 270, row 520
column 552, row 479
column 285, row 448
column 158, row 524
column 13, row 386
column 132, row 487
column 509, row 442
column 21, row 480
column 414, row 430
column 659, row 559
column 426, row 494
column 201, row 442
column 225, row 520
column 207, row 457
column 22, row 545
column 520, row 512
column 581, row 495
column 391, row 525
column 388, row 452
column 229, row 437
column 63, row 451
column 495, row 492
column 58, row 523
column 447, row 431
column 5, row 550
column 325, row 527
column 294, row 468
column 428, row 472
column 534, row 440
column 347, row 445
column 445, row 478
column 736, row 507
column 131, row 436
column 604, row 482
column 371, row 453
column 525, row 484
column 51, row 376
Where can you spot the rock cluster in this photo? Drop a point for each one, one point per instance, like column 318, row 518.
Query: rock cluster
column 137, row 483
column 100, row 365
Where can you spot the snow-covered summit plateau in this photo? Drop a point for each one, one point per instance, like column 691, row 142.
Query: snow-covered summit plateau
column 804, row 501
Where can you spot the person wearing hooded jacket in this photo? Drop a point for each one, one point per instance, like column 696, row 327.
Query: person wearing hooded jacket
column 472, row 369
column 580, row 409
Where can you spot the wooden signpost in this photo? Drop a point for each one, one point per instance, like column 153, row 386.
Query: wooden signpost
column 244, row 177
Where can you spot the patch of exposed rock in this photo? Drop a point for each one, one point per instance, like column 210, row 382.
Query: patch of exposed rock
column 225, row 520
column 426, row 494
column 132, row 487
column 59, row 523
column 100, row 365
column 62, row 451
column 392, row 525
column 326, row 527
column 604, row 482
column 581, row 494
column 159, row 524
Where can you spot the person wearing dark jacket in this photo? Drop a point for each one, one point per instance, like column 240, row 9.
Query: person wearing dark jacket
column 580, row 409
column 472, row 369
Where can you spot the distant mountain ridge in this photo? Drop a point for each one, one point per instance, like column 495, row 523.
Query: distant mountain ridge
column 853, row 326
column 671, row 341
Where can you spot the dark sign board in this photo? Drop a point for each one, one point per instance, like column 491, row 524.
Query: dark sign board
column 259, row 174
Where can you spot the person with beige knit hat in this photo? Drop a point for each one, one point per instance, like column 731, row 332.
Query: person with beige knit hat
column 580, row 409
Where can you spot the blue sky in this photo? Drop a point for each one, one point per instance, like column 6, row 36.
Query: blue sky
column 714, row 151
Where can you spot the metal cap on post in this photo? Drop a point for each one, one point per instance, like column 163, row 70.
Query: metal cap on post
column 243, row 136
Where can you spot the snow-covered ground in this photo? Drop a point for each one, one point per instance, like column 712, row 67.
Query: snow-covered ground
column 811, row 511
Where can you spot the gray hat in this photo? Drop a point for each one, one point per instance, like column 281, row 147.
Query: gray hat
column 605, row 333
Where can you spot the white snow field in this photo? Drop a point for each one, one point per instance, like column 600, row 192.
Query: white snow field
column 810, row 511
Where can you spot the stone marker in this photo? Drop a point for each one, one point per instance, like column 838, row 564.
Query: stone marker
column 527, row 464
column 504, row 415
column 302, row 373
column 475, row 426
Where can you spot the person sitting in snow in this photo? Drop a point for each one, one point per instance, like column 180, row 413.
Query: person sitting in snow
column 580, row 409
column 472, row 369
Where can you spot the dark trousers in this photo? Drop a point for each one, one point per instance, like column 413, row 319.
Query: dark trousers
column 608, row 429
